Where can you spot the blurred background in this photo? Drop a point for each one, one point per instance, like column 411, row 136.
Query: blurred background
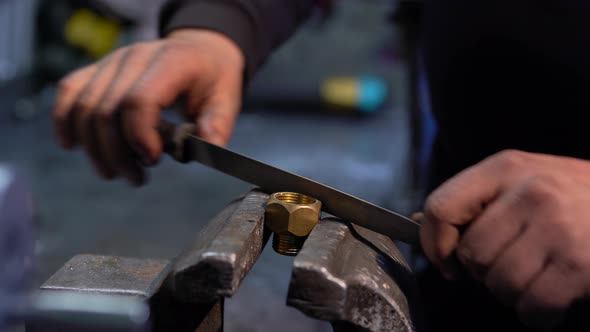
column 373, row 146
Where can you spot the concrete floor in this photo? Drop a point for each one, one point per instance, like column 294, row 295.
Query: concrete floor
column 79, row 213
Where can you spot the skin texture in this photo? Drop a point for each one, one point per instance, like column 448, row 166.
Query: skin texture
column 111, row 108
column 519, row 223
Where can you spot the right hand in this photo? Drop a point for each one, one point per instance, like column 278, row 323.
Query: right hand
column 112, row 108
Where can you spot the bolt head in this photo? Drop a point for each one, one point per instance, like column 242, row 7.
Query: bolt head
column 292, row 213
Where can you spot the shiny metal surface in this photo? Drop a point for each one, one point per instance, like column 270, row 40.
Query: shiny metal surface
column 98, row 293
column 185, row 147
column 291, row 217
column 92, row 293
column 60, row 311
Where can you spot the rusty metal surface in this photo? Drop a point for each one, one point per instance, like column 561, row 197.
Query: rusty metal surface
column 354, row 278
column 223, row 252
column 112, row 275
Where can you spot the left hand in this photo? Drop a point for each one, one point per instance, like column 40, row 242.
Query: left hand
column 520, row 223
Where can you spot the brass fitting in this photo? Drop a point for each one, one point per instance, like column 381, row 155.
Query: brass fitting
column 291, row 217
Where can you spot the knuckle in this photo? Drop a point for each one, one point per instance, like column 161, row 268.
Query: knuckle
column 572, row 263
column 541, row 191
column 562, row 236
column 508, row 159
column 570, row 252
column 436, row 208
column 137, row 48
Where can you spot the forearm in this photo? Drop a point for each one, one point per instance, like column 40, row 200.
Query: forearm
column 256, row 26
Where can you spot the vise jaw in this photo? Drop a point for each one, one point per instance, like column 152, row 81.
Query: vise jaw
column 350, row 276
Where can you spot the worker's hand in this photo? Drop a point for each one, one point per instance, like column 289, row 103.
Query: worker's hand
column 520, row 223
column 112, row 108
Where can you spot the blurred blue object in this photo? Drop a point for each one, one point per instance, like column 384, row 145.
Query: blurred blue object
column 373, row 93
column 16, row 37
column 90, row 312
column 16, row 240
column 429, row 125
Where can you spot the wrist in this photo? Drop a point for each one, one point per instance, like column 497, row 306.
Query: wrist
column 216, row 42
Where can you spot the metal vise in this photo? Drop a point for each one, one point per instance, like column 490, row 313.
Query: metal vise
column 347, row 275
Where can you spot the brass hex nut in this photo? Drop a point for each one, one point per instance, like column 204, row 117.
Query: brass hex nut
column 292, row 213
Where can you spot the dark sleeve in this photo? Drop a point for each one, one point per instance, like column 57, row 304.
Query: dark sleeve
column 257, row 26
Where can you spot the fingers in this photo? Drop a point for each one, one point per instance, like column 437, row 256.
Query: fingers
column 158, row 87
column 456, row 203
column 459, row 202
column 68, row 92
column 417, row 217
column 112, row 147
column 542, row 305
column 516, row 267
column 215, row 120
column 86, row 110
column 121, row 156
column 83, row 111
column 113, row 108
column 439, row 241
column 461, row 199
column 501, row 224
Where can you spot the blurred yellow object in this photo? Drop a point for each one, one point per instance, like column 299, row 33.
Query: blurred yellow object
column 341, row 91
column 95, row 34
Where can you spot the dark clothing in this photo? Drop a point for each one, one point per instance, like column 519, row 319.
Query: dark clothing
column 503, row 74
column 257, row 26
column 507, row 74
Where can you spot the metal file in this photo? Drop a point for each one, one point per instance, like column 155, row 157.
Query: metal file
column 183, row 145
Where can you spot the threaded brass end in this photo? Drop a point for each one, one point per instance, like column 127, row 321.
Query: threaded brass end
column 295, row 198
column 287, row 244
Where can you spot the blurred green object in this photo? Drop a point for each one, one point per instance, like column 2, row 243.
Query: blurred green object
column 73, row 33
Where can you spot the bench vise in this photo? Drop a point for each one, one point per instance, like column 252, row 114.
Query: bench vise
column 345, row 274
